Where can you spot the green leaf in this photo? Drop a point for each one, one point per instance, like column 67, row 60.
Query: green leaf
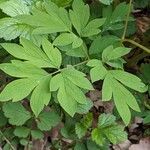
column 3, row 119
column 2, row 1
column 60, row 14
column 82, row 126
column 80, row 15
column 130, row 99
column 145, row 69
column 117, row 63
column 111, row 54
column 116, row 134
column 147, row 119
column 14, row 7
column 84, row 108
column 92, row 28
column 37, row 134
column 30, row 52
column 68, row 38
column 63, row 96
column 51, row 58
column 108, row 129
column 75, row 52
column 100, row 43
column 141, row 4
column 16, row 113
column 33, row 79
column 121, row 99
column 67, row 92
column 47, row 120
column 21, row 132
column 129, row 80
column 15, row 50
column 80, row 146
column 77, row 77
column 106, row 2
column 98, row 138
column 98, row 71
column 115, row 19
column 53, row 53
column 64, row 39
column 11, row 28
column 106, row 120
column 106, row 52
column 23, row 88
column 120, row 12
column 92, row 145
column 35, row 55
column 46, row 22
column 107, row 88
column 40, row 96
column 62, row 2
column 77, row 42
column 22, row 70
column 80, row 130
column 24, row 142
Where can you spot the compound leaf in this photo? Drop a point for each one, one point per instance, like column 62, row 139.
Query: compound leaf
column 69, row 95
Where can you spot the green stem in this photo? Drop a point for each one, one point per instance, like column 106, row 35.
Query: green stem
column 8, row 142
column 138, row 45
column 79, row 64
column 127, row 19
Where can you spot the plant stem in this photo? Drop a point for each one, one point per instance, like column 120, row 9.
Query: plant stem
column 12, row 147
column 138, row 45
column 79, row 64
column 127, row 19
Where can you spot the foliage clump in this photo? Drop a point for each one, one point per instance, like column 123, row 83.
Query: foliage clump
column 60, row 51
